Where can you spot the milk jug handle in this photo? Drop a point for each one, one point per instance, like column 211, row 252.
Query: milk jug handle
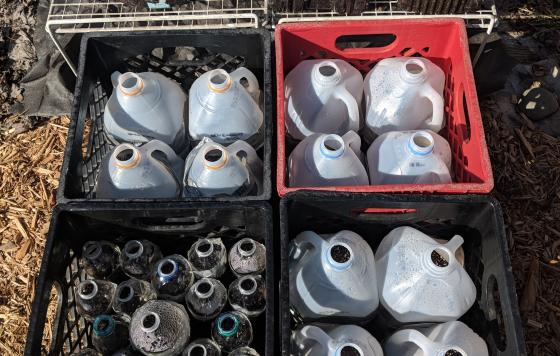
column 253, row 83
column 436, row 121
column 352, row 139
column 115, row 78
column 305, row 238
column 174, row 163
column 352, row 105
column 416, row 337
column 312, row 332
column 251, row 157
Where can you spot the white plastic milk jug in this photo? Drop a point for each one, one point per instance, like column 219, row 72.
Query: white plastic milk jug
column 223, row 109
column 327, row 340
column 327, row 160
column 404, row 94
column 332, row 276
column 409, row 157
column 420, row 280
column 323, row 96
column 214, row 170
column 450, row 339
column 152, row 170
column 146, row 106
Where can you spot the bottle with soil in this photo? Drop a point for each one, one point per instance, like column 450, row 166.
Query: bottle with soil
column 247, row 256
column 450, row 339
column 206, row 299
column 100, row 259
column 202, row 347
column 244, row 351
column 332, row 276
column 330, row 340
column 208, row 257
column 146, row 106
column 132, row 294
column 172, row 277
column 232, row 330
column 138, row 258
column 109, row 335
column 323, row 96
column 247, row 294
column 409, row 157
column 420, row 280
column 327, row 160
column 160, row 328
column 94, row 297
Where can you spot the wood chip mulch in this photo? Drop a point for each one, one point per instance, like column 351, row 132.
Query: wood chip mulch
column 29, row 172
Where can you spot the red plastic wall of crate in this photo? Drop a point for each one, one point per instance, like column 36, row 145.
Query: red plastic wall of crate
column 443, row 41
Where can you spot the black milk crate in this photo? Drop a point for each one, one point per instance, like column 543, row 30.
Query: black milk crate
column 103, row 53
column 173, row 227
column 478, row 219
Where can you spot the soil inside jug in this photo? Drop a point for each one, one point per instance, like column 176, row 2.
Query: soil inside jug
column 351, row 351
column 453, row 352
column 440, row 258
column 340, row 254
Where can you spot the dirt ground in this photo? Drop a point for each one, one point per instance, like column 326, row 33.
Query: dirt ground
column 526, row 165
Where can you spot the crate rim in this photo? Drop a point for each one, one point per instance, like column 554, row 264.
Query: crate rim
column 268, row 111
column 484, row 187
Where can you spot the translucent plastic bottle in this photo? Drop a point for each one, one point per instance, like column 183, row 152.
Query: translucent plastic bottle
column 172, row 277
column 131, row 294
column 150, row 171
column 404, row 94
column 330, row 340
column 247, row 256
column 232, row 330
column 146, row 106
column 420, row 280
column 323, row 96
column 222, row 108
column 247, row 294
column 202, row 347
column 450, row 339
column 244, row 351
column 208, row 257
column 332, row 276
column 160, row 328
column 214, row 170
column 109, row 334
column 94, row 297
column 138, row 258
column 327, row 160
column 409, row 157
column 100, row 259
column 206, row 299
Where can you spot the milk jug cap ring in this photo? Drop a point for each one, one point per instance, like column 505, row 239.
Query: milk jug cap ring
column 327, row 73
column 103, row 325
column 204, row 288
column 339, row 256
column 413, row 71
column 133, row 249
column 150, row 322
column 126, row 156
column 246, row 247
column 204, row 248
column 167, row 268
column 124, row 292
column 87, row 289
column 332, row 146
column 349, row 346
column 228, row 324
column 215, row 157
column 247, row 285
column 421, row 143
column 130, row 84
column 219, row 81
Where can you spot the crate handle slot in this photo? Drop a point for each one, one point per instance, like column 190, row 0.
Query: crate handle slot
column 174, row 224
column 384, row 214
column 371, row 41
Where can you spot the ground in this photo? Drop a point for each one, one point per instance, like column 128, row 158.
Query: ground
column 526, row 164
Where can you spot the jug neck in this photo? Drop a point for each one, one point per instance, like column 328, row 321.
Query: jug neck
column 130, row 84
column 331, row 146
column 124, row 293
column 247, row 285
column 219, row 81
column 449, row 350
column 204, row 288
column 413, row 71
column 228, row 324
column 421, row 143
column 439, row 261
column 150, row 322
column 215, row 157
column 350, row 348
column 88, row 289
column 103, row 325
column 339, row 256
column 246, row 247
column 204, row 248
column 92, row 250
column 133, row 249
column 167, row 270
column 327, row 74
column 126, row 156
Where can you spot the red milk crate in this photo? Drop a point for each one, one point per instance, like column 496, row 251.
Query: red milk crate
column 363, row 44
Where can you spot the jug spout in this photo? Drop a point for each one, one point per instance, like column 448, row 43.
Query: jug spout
column 130, row 84
column 413, row 71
